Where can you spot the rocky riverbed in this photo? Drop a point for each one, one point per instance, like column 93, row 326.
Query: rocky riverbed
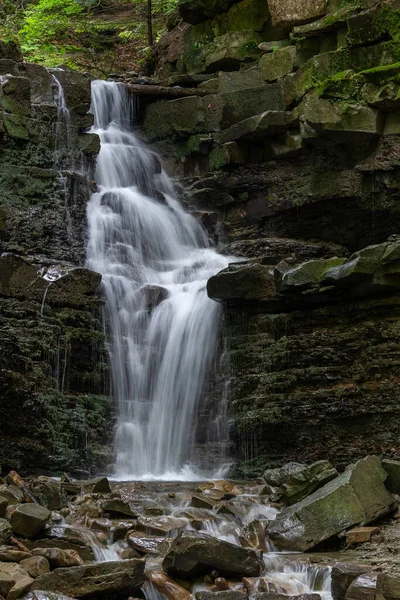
column 299, row 531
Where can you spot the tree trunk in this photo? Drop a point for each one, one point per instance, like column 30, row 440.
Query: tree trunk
column 149, row 23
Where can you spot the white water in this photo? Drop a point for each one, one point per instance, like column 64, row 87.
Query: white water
column 162, row 328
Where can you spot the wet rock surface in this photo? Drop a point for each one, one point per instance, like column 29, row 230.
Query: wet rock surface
column 223, row 551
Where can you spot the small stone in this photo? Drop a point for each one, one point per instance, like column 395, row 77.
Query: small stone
column 3, row 506
column 221, row 584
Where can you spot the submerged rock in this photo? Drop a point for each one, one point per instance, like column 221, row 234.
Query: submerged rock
column 294, row 481
column 195, row 553
column 357, row 496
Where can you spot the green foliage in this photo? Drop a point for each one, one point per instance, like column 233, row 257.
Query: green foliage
column 90, row 35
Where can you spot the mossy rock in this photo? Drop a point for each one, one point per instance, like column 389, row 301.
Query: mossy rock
column 278, row 64
column 248, row 15
column 373, row 25
column 304, row 276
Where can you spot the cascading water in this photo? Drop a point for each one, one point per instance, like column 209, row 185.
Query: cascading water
column 162, row 328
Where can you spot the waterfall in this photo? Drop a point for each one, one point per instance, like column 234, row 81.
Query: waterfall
column 162, row 329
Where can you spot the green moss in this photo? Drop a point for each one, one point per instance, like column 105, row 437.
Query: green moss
column 383, row 73
column 72, row 427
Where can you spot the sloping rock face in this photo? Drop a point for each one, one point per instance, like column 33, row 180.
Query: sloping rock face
column 293, row 154
column 53, row 375
column 357, row 496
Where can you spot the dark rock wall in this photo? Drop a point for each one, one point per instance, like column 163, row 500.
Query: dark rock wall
column 293, row 155
column 54, row 411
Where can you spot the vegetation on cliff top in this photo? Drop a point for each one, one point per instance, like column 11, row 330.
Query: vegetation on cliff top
column 95, row 35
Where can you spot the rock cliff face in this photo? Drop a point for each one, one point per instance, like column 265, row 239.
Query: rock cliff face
column 53, row 372
column 291, row 152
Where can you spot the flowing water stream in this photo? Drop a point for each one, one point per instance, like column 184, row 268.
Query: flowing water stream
column 162, row 332
column 162, row 328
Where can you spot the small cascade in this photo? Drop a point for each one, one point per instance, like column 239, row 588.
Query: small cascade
column 162, row 328
column 67, row 157
column 103, row 552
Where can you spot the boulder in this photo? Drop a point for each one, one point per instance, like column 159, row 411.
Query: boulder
column 195, row 553
column 21, row 578
column 242, row 283
column 6, row 583
column 153, row 295
column 342, row 121
column 84, row 551
column 5, row 531
column 228, row 51
column 11, row 554
column 12, row 493
column 278, row 64
column 35, row 565
column 388, row 587
column 392, row 468
column 148, row 544
column 357, row 496
column 168, row 588
column 287, row 13
column 361, row 266
column 49, row 492
column 29, row 519
column 343, row 575
column 267, row 124
column 120, row 507
column 59, row 558
column 213, row 113
column 294, row 481
column 97, row 579
column 100, row 485
column 360, row 535
column 306, row 275
column 163, row 525
column 363, row 588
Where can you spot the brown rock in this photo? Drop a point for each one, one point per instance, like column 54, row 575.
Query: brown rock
column 35, row 565
column 59, row 558
column 360, row 535
column 169, row 588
